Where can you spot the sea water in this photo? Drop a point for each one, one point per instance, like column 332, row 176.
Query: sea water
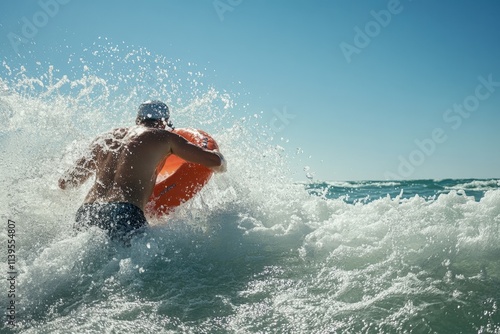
column 255, row 252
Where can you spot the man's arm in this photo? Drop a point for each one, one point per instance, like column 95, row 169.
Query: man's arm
column 80, row 172
column 192, row 153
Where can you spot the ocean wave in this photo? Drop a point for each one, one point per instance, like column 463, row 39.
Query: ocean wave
column 480, row 185
column 361, row 184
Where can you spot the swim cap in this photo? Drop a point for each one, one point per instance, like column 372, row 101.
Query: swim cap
column 153, row 110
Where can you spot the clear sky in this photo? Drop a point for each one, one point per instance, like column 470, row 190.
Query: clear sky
column 367, row 89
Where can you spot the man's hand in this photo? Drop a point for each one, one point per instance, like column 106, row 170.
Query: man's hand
column 62, row 183
column 65, row 182
column 223, row 163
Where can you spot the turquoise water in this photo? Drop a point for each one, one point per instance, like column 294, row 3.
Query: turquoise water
column 256, row 252
column 368, row 191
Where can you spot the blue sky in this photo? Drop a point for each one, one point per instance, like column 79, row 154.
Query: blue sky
column 419, row 97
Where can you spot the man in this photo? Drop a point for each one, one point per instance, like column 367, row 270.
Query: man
column 125, row 162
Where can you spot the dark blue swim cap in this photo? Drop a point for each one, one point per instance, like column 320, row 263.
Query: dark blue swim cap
column 153, row 110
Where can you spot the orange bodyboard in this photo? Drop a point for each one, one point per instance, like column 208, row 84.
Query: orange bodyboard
column 179, row 180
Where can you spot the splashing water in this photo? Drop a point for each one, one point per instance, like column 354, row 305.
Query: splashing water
column 254, row 252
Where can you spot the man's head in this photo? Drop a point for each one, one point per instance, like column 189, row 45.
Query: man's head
column 153, row 113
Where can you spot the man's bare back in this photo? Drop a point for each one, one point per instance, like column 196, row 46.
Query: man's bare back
column 126, row 162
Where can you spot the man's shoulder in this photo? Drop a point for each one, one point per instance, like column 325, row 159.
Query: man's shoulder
column 135, row 131
column 151, row 134
column 153, row 131
column 113, row 132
